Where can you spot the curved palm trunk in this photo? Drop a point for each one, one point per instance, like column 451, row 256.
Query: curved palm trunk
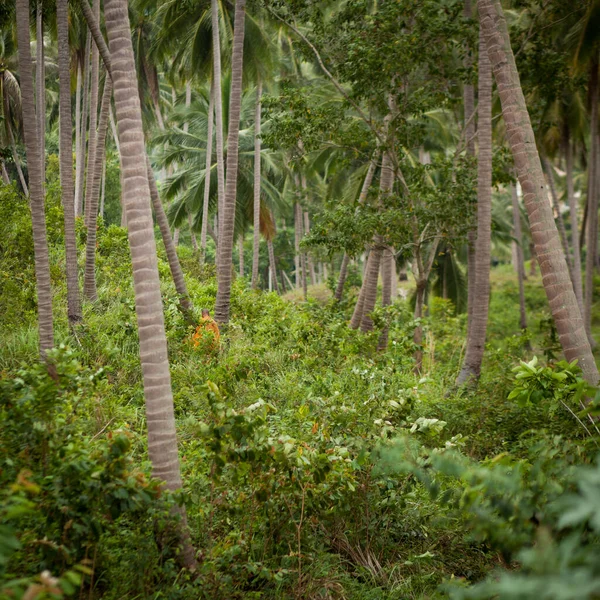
column 36, row 187
column 89, row 282
column 519, row 255
column 40, row 82
column 80, row 165
column 555, row 274
column 573, row 207
column 222, row 304
column 66, row 161
column 93, row 139
column 218, row 100
column 257, row 146
column 162, row 438
column 208, row 167
column 471, row 367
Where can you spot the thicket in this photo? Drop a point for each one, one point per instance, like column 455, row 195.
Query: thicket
column 313, row 465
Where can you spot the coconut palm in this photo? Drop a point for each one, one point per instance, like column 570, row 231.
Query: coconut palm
column 162, row 439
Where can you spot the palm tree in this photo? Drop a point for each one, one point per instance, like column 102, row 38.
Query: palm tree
column 257, row 143
column 36, row 185
column 208, row 166
column 228, row 221
column 162, row 438
column 66, row 161
column 556, row 280
column 40, row 84
column 471, row 367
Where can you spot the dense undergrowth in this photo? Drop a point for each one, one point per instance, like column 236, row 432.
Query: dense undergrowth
column 314, row 466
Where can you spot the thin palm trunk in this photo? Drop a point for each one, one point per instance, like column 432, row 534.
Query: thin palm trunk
column 66, row 162
column 103, row 189
column 162, row 438
column 5, row 176
column 36, row 187
column 11, row 140
column 387, row 265
column 339, row 290
column 40, row 82
column 592, row 203
column 573, row 207
column 297, row 237
column 471, row 367
column 80, row 166
column 208, row 168
column 272, row 264
column 92, row 142
column 555, row 274
column 519, row 256
column 309, row 260
column 359, row 307
column 222, row 304
column 241, row 254
column 218, row 106
column 78, row 85
column 113, row 128
column 257, row 148
column 89, row 282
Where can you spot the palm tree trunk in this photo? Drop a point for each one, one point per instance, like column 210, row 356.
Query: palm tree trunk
column 5, row 176
column 309, row 260
column 208, row 168
column 573, row 207
column 222, row 304
column 40, row 82
column 94, row 88
column 519, row 256
column 339, row 290
column 80, row 165
column 297, row 237
column 218, row 100
column 192, row 234
column 471, row 367
column 78, row 86
column 272, row 264
column 89, row 281
column 555, row 274
column 66, row 161
column 13, row 145
column 162, row 438
column 418, row 334
column 103, row 189
column 113, row 128
column 257, row 148
column 36, row 186
column 387, row 265
column 359, row 307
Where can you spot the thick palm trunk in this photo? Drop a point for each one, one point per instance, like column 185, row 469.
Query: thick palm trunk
column 555, row 274
column 218, row 100
column 66, row 161
column 40, row 82
column 36, row 187
column 92, row 143
column 471, row 367
column 222, row 304
column 208, row 168
column 162, row 438
column 519, row 256
column 257, row 146
column 573, row 206
column 89, row 282
column 80, row 166
column 592, row 203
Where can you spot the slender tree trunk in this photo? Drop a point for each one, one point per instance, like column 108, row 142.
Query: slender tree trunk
column 359, row 307
column 66, row 161
column 218, row 100
column 309, row 260
column 11, row 141
column 573, row 206
column 113, row 128
column 36, row 186
column 519, row 256
column 78, row 86
column 418, row 334
column 471, row 367
column 208, row 168
column 387, row 262
column 272, row 264
column 40, row 82
column 298, row 227
column 103, row 188
column 555, row 274
column 89, row 282
column 339, row 290
column 84, row 127
column 162, row 439
column 257, row 149
column 94, row 88
column 5, row 176
column 192, row 234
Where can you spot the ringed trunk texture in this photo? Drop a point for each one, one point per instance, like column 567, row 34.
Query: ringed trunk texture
column 36, row 186
column 257, row 148
column 40, row 82
column 89, row 282
column 339, row 290
column 471, row 367
column 519, row 252
column 162, row 439
column 555, row 274
column 66, row 160
column 208, row 168
column 222, row 304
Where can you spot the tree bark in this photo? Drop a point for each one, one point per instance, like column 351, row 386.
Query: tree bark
column 66, row 161
column 298, row 227
column 162, row 439
column 359, row 307
column 387, row 265
column 36, row 186
column 78, row 86
column 257, row 149
column 471, row 367
column 272, row 264
column 555, row 275
column 40, row 82
column 80, row 165
column 309, row 260
column 208, row 168
column 103, row 189
column 519, row 256
column 339, row 290
column 222, row 304
column 89, row 282
column 11, row 140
